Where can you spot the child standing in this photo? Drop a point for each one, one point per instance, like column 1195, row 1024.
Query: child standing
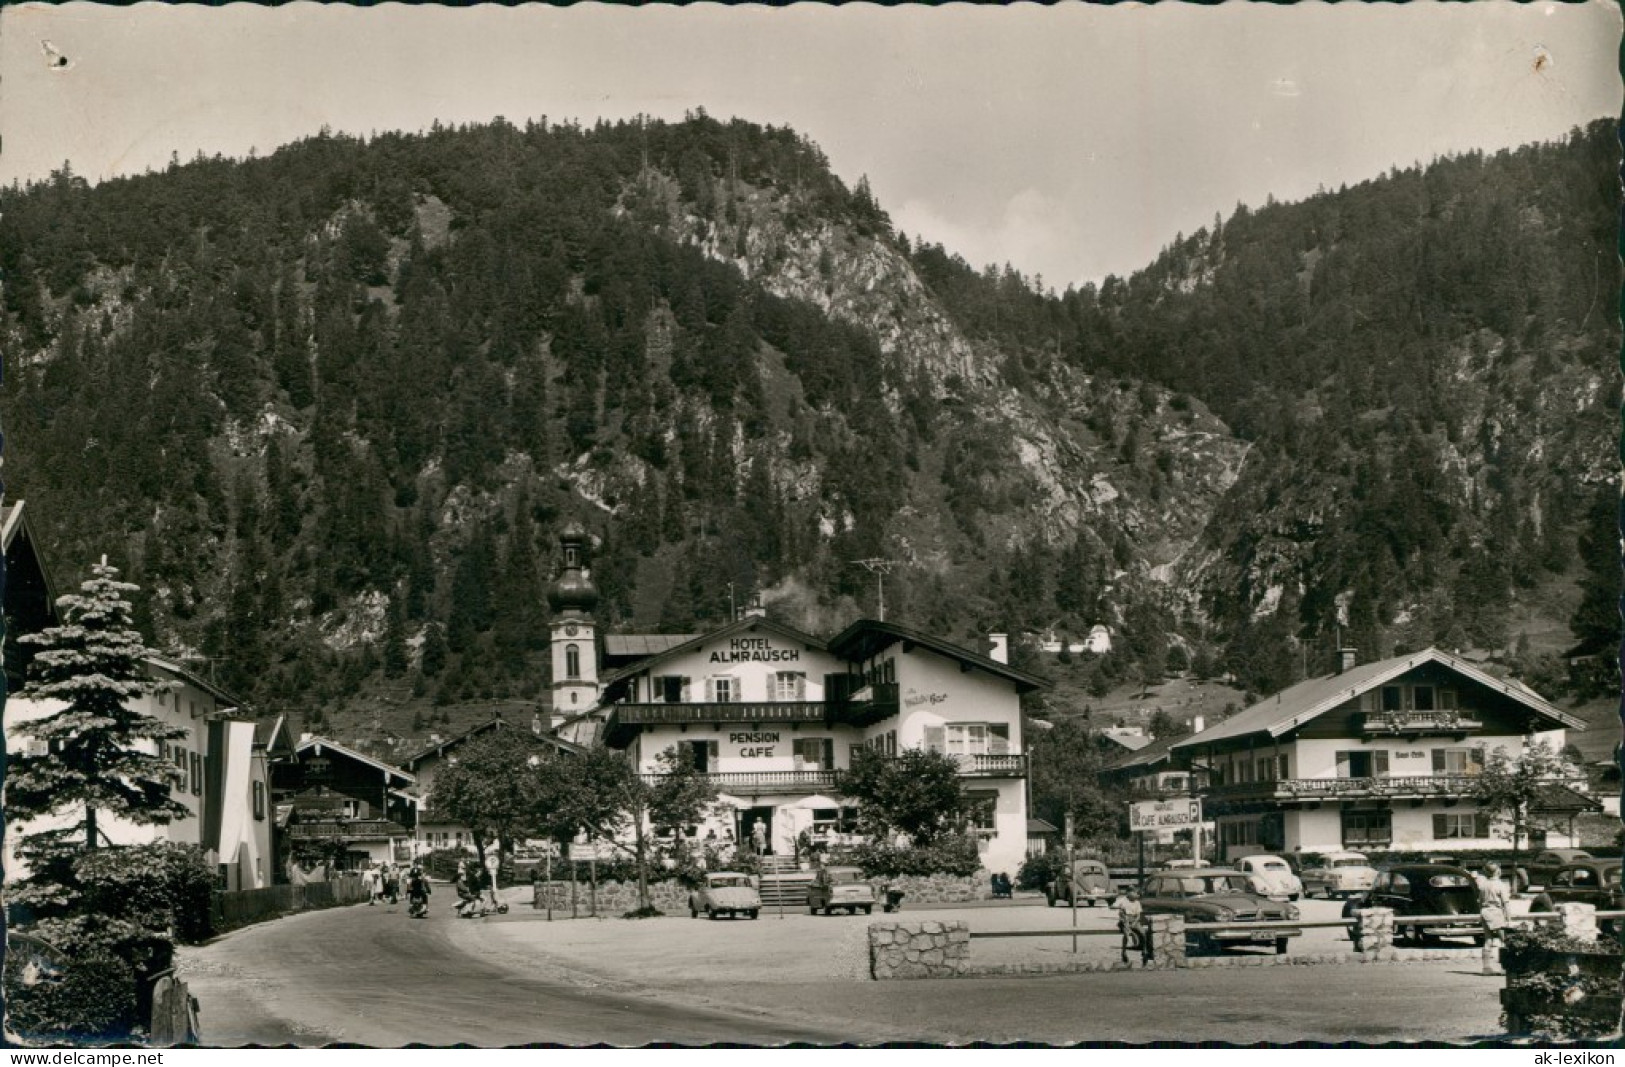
column 1130, row 916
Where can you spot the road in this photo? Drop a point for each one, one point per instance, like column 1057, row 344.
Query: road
column 372, row 976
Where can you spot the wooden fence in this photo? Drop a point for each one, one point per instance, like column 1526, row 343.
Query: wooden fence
column 244, row 907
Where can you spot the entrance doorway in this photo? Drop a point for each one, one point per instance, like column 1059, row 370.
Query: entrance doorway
column 748, row 818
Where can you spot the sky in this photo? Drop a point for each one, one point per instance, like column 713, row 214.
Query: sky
column 1070, row 141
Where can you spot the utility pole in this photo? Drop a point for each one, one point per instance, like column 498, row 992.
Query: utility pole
column 879, row 568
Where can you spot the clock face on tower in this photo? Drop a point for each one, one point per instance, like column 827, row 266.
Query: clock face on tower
column 571, row 630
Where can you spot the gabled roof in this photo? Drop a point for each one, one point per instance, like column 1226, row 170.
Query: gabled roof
column 867, row 638
column 749, row 624
column 627, row 646
column 319, row 743
column 1296, row 705
column 1554, row 799
column 1145, row 757
column 1133, row 742
column 496, row 722
column 193, row 679
column 273, row 736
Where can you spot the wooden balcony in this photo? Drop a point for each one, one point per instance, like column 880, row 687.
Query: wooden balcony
column 870, row 704
column 672, row 714
column 1002, row 766
column 767, row 781
column 1419, row 724
column 1434, row 785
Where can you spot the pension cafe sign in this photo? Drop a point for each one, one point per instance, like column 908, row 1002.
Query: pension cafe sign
column 1164, row 814
column 754, row 650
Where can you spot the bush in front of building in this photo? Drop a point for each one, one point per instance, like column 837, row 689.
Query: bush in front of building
column 162, row 888
column 1038, row 871
column 949, row 854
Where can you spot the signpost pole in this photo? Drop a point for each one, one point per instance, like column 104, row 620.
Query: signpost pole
column 548, row 890
column 592, row 885
column 1071, row 886
column 574, row 891
column 1140, row 837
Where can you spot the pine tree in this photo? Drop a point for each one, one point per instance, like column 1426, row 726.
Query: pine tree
column 97, row 759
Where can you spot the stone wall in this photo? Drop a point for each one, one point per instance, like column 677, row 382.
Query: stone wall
column 936, row 888
column 613, row 899
column 918, row 949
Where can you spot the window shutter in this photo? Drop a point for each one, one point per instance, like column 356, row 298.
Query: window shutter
column 1438, row 761
column 935, row 739
column 1475, row 761
column 828, row 762
column 683, row 690
column 1439, row 827
column 1343, row 765
column 1481, row 825
column 998, row 738
column 711, row 751
column 1379, row 764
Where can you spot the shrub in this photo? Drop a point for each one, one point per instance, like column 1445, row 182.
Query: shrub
column 1038, row 871
column 93, row 999
column 161, row 887
column 956, row 855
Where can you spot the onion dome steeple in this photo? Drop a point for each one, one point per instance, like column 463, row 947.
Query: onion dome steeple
column 572, row 592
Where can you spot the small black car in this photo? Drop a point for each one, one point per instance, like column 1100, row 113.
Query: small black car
column 1425, row 889
column 1594, row 882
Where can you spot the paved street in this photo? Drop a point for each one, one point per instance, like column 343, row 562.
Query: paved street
column 372, row 976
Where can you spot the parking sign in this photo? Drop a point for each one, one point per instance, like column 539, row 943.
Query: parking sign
column 1164, row 814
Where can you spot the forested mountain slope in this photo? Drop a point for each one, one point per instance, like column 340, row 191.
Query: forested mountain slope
column 329, row 406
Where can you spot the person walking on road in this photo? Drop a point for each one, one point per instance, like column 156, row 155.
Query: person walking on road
column 417, row 894
column 372, row 883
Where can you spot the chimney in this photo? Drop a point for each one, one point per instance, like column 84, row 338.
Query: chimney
column 306, row 736
column 755, row 610
column 998, row 648
column 1346, row 659
column 1197, row 725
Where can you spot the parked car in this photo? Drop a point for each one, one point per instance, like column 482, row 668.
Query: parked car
column 1594, row 882
column 1181, row 865
column 1538, row 872
column 1091, row 882
column 1341, row 874
column 725, row 893
column 1218, row 894
column 1271, row 876
column 841, row 888
column 1431, row 889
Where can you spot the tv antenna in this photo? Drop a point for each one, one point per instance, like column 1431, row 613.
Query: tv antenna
column 879, row 568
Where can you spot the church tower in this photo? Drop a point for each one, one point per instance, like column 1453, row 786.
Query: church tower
column 575, row 639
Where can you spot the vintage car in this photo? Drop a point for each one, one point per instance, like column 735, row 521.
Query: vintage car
column 1271, row 876
column 1340, row 874
column 1448, row 895
column 1218, row 895
column 1538, row 872
column 840, row 888
column 1594, row 882
column 725, row 893
column 1091, row 883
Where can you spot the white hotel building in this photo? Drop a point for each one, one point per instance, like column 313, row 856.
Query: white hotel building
column 771, row 713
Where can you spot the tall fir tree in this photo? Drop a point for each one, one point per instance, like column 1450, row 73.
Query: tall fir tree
column 101, row 753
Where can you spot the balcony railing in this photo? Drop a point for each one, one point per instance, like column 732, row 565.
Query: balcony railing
column 969, row 766
column 870, row 704
column 772, row 781
column 779, row 711
column 1005, row 766
column 1419, row 723
column 1434, row 785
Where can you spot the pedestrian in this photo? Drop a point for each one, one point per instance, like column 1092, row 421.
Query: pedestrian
column 758, row 836
column 392, row 883
column 1130, row 924
column 371, row 883
column 1494, row 906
